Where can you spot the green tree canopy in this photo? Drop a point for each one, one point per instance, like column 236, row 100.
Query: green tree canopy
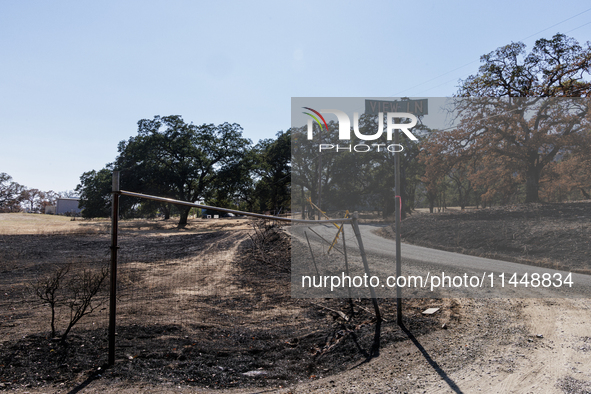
column 95, row 193
column 171, row 158
column 273, row 171
column 10, row 194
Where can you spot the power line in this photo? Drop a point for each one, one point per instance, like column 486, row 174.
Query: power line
column 578, row 27
column 548, row 28
column 475, row 61
column 437, row 77
column 436, row 86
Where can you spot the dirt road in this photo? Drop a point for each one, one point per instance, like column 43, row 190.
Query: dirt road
column 496, row 346
column 520, row 362
column 547, row 350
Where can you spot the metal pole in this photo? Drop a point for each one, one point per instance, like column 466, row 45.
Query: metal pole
column 325, row 240
column 256, row 215
column 312, row 254
column 347, row 269
column 319, row 201
column 113, row 283
column 355, row 225
column 375, row 349
column 398, row 216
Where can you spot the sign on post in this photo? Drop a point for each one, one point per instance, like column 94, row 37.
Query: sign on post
column 416, row 107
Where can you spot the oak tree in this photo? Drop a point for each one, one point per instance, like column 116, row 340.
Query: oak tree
column 10, row 194
column 535, row 118
column 172, row 158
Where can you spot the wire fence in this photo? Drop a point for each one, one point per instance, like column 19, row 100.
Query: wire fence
column 189, row 274
column 210, row 307
column 223, row 301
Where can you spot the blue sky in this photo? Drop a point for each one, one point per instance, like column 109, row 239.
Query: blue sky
column 75, row 77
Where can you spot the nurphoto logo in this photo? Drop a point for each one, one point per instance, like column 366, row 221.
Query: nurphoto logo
column 394, row 120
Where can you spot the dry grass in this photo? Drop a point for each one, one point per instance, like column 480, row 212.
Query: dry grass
column 36, row 224
column 195, row 309
column 33, row 224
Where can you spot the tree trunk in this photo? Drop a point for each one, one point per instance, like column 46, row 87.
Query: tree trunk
column 432, row 198
column 184, row 216
column 532, row 185
column 166, row 211
column 389, row 205
column 303, row 203
column 53, row 332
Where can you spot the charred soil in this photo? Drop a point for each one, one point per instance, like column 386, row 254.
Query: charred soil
column 551, row 235
column 248, row 332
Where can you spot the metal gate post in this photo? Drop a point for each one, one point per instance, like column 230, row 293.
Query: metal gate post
column 113, row 283
column 375, row 349
column 347, row 269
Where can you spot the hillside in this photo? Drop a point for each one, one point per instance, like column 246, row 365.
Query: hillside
column 552, row 235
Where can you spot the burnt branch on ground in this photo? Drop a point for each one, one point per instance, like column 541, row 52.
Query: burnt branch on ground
column 269, row 245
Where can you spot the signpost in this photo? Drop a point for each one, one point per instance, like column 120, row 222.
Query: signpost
column 418, row 108
column 398, row 212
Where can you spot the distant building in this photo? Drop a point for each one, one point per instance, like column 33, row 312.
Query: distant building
column 67, row 206
column 213, row 214
column 50, row 210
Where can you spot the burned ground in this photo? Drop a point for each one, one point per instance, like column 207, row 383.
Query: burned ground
column 209, row 309
column 206, row 309
column 551, row 235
